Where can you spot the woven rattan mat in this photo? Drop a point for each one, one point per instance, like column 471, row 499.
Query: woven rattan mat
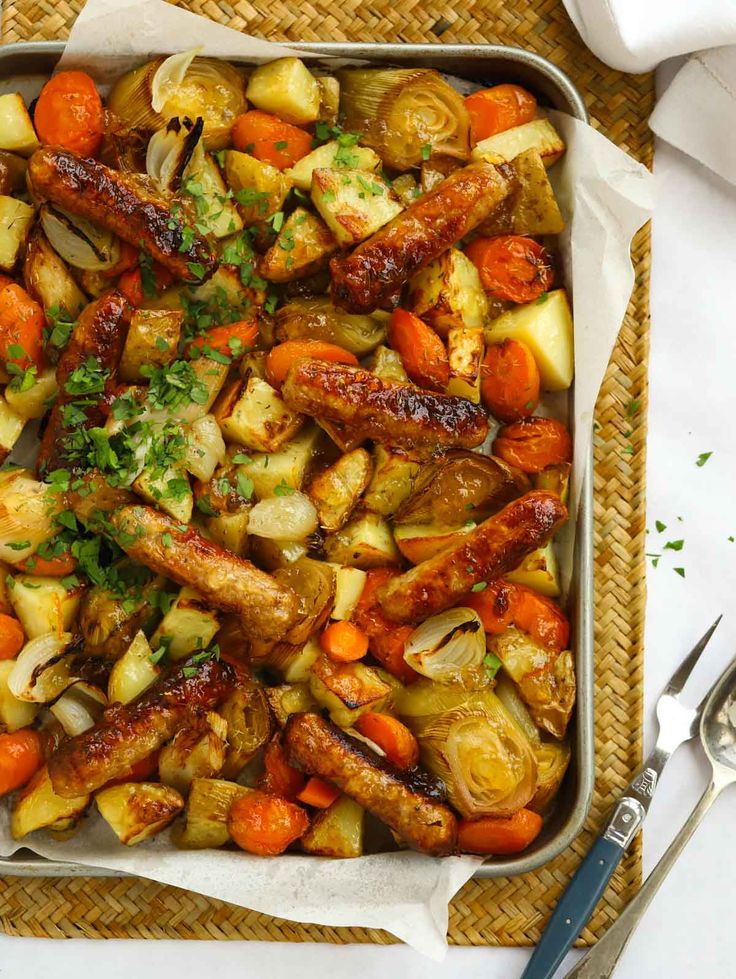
column 487, row 912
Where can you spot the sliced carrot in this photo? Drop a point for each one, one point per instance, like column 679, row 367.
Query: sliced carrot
column 279, row 777
column 392, row 737
column 494, row 605
column 344, row 642
column 422, row 352
column 69, row 113
column 512, row 267
column 494, row 110
column 130, row 283
column 54, row 567
column 499, row 834
column 283, row 355
column 532, row 444
column 318, row 793
column 541, row 618
column 265, row 824
column 510, row 381
column 270, row 139
column 21, row 755
column 140, row 771
column 386, row 639
column 232, row 340
column 22, row 322
column 12, row 637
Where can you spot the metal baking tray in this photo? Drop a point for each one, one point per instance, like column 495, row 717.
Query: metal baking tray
column 21, row 64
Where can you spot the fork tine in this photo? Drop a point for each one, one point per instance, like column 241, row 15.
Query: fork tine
column 683, row 671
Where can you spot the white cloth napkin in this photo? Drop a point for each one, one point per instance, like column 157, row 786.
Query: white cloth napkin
column 697, row 112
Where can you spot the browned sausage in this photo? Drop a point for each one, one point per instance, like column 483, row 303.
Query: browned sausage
column 266, row 608
column 122, row 204
column 370, row 275
column 100, row 335
column 493, row 549
column 128, row 733
column 387, row 411
column 409, row 802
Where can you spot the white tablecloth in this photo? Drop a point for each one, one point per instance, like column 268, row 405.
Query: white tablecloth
column 689, row 930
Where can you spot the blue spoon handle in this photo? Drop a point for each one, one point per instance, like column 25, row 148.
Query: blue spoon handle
column 574, row 909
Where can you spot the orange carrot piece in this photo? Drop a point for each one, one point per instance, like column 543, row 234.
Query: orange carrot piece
column 512, row 267
column 344, row 642
column 69, row 113
column 494, row 605
column 270, row 139
column 265, row 824
column 130, row 283
column 21, row 755
column 541, row 618
column 22, row 322
column 53, row 567
column 422, row 352
column 532, row 444
column 283, row 355
column 279, row 777
column 318, row 793
column 232, row 339
column 494, row 110
column 12, row 637
column 510, row 381
column 392, row 737
column 499, row 834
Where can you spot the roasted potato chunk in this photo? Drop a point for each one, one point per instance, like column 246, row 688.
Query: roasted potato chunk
column 33, row 403
column 217, row 215
column 289, row 698
column 44, row 604
column 329, row 156
column 287, row 88
column 136, row 811
column 39, row 807
column 539, row 135
column 364, row 542
column 302, row 247
column 465, row 349
column 16, row 219
column 539, row 571
column 337, row 489
column 14, row 713
column 314, row 584
column 259, row 188
column 418, row 542
column 248, row 726
column 133, row 672
column 532, row 208
column 289, row 465
column 11, row 427
column 16, row 129
column 353, row 203
column 152, row 340
column 447, row 293
column 393, row 477
column 349, row 585
column 336, row 831
column 48, row 279
column 347, row 690
column 189, row 625
column 208, row 805
column 251, row 413
column 195, row 752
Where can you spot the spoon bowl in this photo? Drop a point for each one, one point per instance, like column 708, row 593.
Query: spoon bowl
column 718, row 726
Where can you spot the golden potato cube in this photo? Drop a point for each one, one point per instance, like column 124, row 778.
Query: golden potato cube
column 33, row 403
column 329, row 99
column 218, row 215
column 337, row 489
column 303, row 247
column 194, row 753
column 152, row 339
column 168, row 490
column 133, row 672
column 349, row 585
column 539, row 135
column 289, row 465
column 331, row 156
column 14, row 713
column 11, row 426
column 188, row 626
column 259, row 188
column 448, row 293
column 347, row 690
column 136, row 811
column 13, row 173
column 289, row 698
column 230, row 530
column 336, row 831
column 39, row 807
column 287, row 88
column 364, row 542
column 465, row 349
column 388, row 365
column 16, row 219
column 43, row 604
column 212, row 374
column 16, row 129
column 353, row 203
column 531, row 208
column 253, row 414
column 206, row 814
column 545, row 326
column 48, row 278
column 418, row 542
column 393, row 477
column 539, row 570
column 555, row 479
column 205, row 449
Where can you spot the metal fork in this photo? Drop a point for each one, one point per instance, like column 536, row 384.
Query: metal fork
column 677, row 724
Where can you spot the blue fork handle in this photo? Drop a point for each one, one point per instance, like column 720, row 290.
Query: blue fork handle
column 574, row 909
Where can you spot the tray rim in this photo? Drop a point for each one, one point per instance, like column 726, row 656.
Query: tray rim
column 557, row 86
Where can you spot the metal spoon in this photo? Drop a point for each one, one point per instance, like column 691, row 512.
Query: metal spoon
column 718, row 737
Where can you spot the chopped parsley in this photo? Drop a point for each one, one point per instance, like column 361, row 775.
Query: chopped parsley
column 674, row 545
column 492, row 665
column 426, row 151
column 660, row 526
column 283, row 489
column 703, row 458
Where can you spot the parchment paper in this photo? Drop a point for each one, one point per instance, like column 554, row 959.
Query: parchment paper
column 606, row 197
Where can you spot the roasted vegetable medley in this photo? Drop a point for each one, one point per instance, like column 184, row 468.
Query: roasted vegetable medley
column 270, row 571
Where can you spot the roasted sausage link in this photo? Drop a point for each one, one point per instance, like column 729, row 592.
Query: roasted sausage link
column 128, row 733
column 493, row 549
column 122, row 204
column 374, row 272
column 266, row 608
column 387, row 411
column 409, row 802
column 100, row 335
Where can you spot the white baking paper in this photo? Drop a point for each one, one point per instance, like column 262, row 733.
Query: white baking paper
column 606, row 197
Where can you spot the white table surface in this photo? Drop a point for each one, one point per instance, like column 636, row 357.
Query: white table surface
column 689, row 930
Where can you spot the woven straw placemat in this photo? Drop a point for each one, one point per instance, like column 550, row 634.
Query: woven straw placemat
column 487, row 912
